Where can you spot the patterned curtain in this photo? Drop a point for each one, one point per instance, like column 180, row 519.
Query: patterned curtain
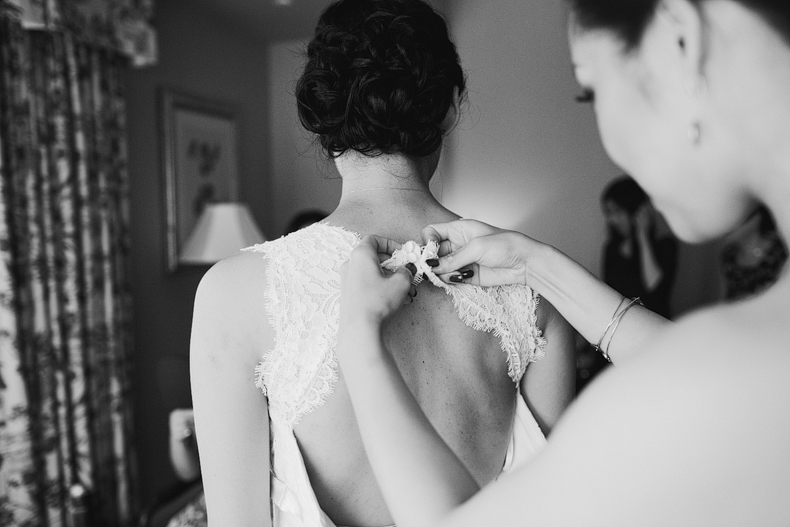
column 65, row 419
column 122, row 25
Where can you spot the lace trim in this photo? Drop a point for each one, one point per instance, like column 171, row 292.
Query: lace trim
column 493, row 313
column 300, row 372
column 491, row 318
column 302, row 301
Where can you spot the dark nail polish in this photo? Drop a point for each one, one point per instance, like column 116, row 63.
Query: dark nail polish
column 469, row 273
column 432, row 262
column 412, row 268
column 457, row 278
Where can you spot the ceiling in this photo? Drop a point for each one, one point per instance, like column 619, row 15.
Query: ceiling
column 267, row 20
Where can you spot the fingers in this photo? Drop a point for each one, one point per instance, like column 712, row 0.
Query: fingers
column 438, row 232
column 446, row 247
column 412, row 293
column 412, row 270
column 401, row 281
column 452, row 232
column 462, row 276
column 380, row 244
column 367, row 289
column 453, row 237
column 463, row 257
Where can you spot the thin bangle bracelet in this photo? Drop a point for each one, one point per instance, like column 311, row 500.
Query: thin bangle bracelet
column 634, row 301
column 614, row 317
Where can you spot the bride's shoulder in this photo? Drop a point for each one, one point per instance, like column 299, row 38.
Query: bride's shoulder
column 228, row 310
column 235, row 284
column 241, row 281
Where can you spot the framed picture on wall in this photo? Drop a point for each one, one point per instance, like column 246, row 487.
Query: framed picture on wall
column 201, row 162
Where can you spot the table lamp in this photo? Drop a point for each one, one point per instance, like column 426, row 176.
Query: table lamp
column 221, row 231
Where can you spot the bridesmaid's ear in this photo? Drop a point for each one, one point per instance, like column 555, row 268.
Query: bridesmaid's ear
column 685, row 23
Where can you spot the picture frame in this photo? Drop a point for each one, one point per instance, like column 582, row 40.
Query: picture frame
column 201, row 162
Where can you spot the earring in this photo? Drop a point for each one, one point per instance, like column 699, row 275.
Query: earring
column 695, row 133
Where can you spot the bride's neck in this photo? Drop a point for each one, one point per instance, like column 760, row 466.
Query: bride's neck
column 387, row 195
column 384, row 177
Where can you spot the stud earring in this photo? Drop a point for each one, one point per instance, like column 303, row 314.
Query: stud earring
column 694, row 133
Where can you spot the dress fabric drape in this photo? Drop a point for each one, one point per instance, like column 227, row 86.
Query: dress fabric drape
column 65, row 419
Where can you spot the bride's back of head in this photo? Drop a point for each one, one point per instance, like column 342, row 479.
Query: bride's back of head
column 380, row 78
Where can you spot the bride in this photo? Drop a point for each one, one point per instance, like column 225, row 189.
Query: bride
column 492, row 369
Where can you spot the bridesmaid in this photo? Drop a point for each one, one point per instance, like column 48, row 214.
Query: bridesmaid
column 691, row 427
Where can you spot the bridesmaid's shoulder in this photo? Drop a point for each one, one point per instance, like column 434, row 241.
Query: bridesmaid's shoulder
column 754, row 330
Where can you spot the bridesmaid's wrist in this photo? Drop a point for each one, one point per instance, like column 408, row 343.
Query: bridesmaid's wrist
column 538, row 260
column 361, row 334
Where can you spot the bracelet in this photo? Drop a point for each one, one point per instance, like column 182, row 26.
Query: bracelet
column 634, row 301
column 606, row 329
column 616, row 320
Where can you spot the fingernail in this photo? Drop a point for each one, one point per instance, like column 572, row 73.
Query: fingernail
column 469, row 273
column 432, row 262
column 415, row 293
column 457, row 278
column 412, row 268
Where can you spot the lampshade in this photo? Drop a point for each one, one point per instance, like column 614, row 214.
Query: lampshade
column 221, row 230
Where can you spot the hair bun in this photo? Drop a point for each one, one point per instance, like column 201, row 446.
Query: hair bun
column 380, row 77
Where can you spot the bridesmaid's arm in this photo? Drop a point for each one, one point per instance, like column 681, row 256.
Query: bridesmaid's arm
column 420, row 477
column 589, row 304
column 508, row 257
column 637, row 448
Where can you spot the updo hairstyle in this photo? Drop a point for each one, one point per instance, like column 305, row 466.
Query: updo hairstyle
column 628, row 19
column 379, row 79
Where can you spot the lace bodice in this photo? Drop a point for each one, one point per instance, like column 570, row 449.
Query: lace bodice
column 302, row 301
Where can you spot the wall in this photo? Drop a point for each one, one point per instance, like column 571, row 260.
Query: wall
column 526, row 155
column 202, row 58
column 302, row 177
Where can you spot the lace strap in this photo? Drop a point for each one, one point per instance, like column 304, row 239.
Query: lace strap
column 270, row 251
column 302, row 302
column 509, row 312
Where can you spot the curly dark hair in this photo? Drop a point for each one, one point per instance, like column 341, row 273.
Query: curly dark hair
column 379, row 79
column 628, row 19
column 626, row 193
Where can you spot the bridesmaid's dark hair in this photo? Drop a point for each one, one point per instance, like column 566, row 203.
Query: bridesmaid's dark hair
column 380, row 77
column 628, row 19
column 626, row 193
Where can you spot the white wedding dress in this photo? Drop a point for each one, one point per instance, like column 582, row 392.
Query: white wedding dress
column 299, row 373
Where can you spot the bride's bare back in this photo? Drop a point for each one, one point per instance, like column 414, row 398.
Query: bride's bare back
column 459, row 376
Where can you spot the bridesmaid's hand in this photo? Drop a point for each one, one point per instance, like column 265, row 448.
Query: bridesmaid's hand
column 369, row 293
column 497, row 256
